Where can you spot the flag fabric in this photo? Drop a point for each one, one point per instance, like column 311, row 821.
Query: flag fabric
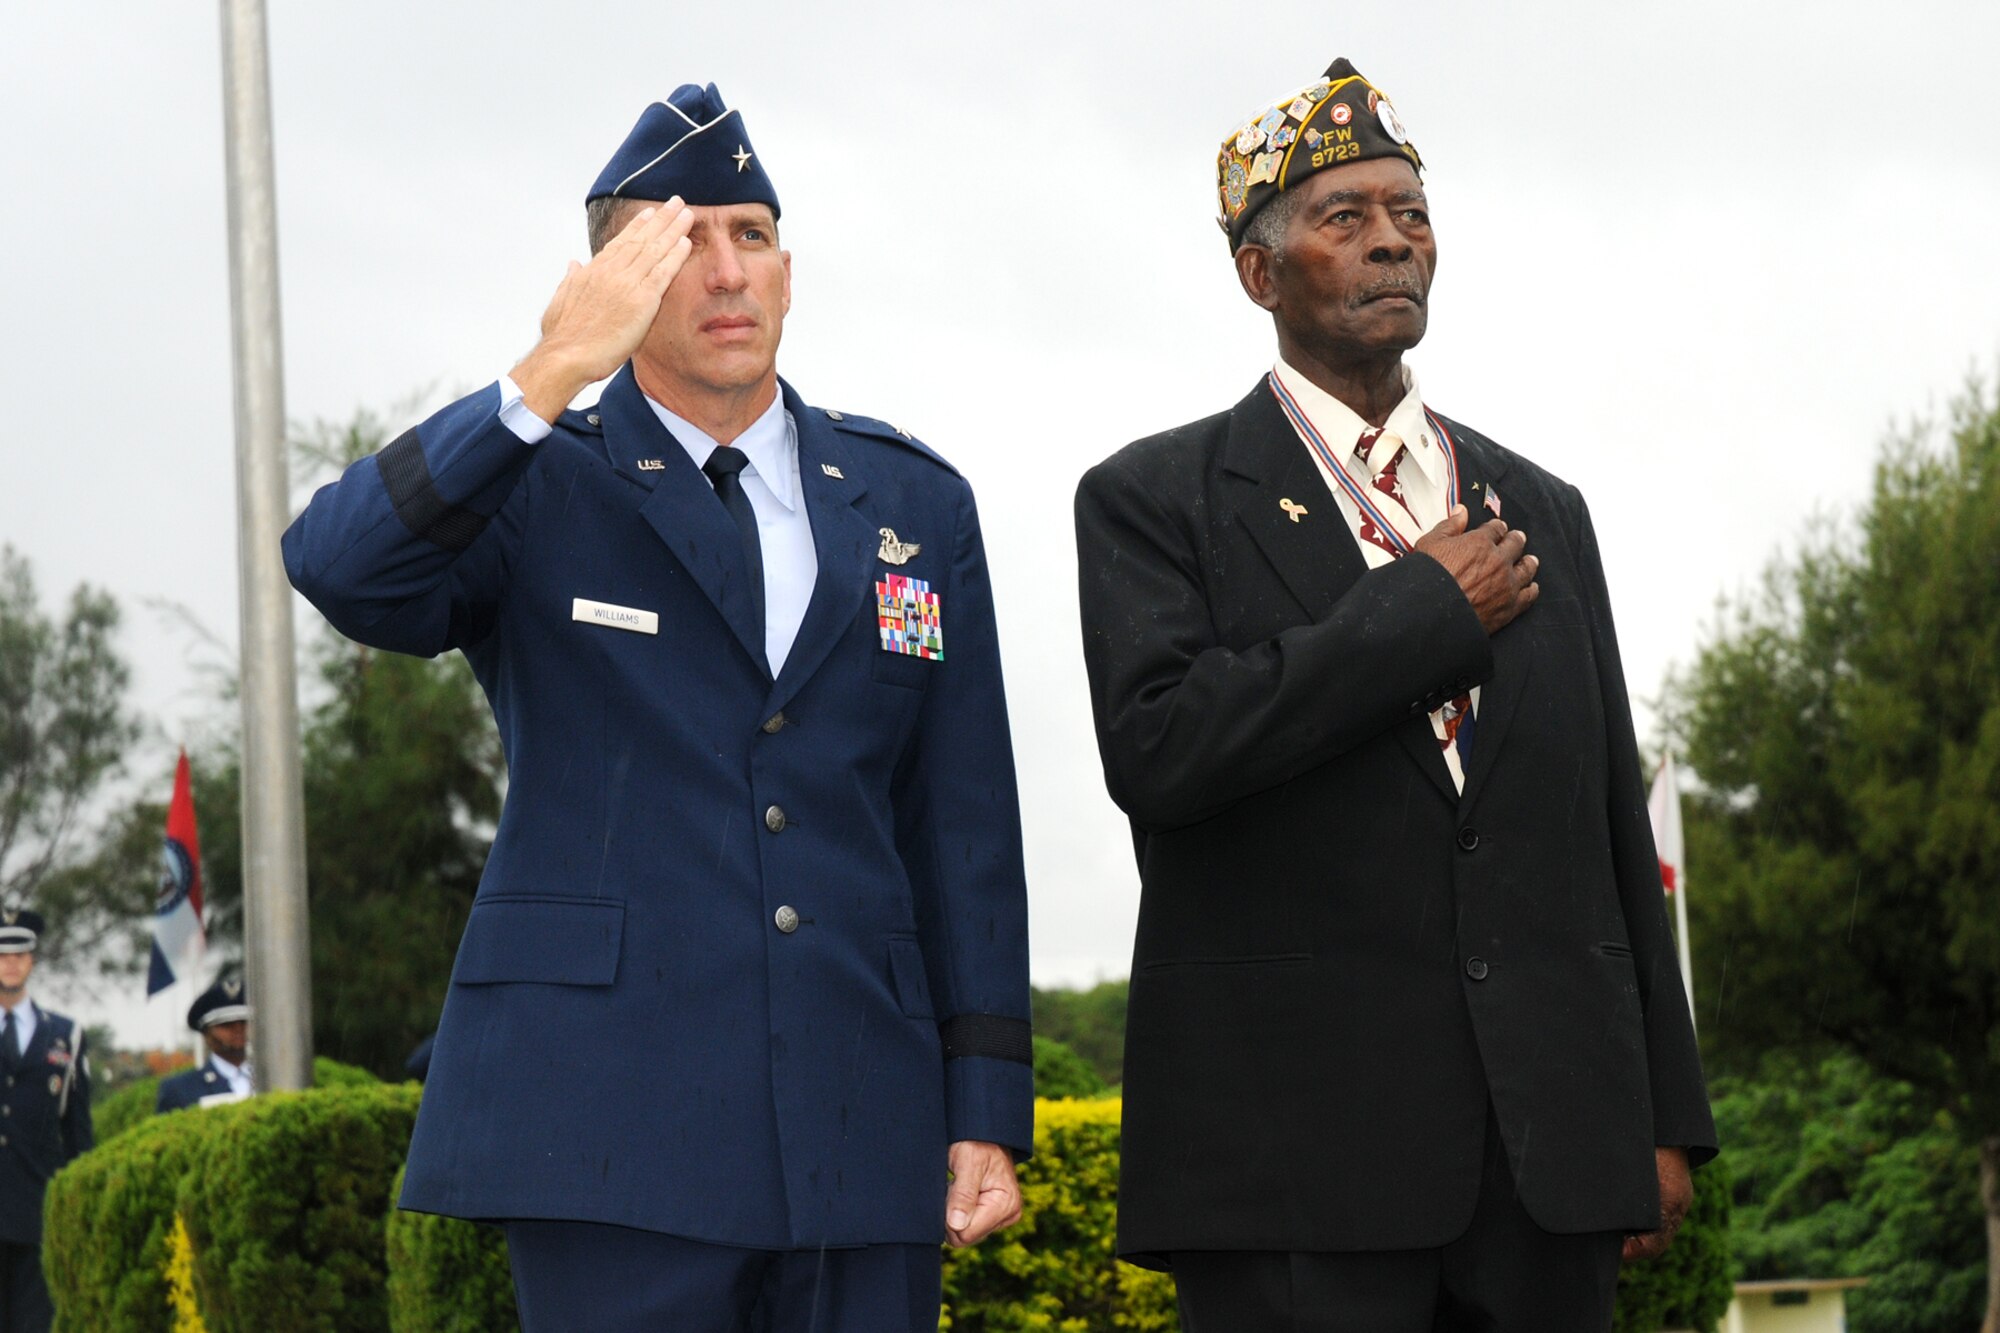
column 178, row 938
column 1665, row 808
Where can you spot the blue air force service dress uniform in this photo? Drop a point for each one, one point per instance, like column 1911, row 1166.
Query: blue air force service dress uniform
column 213, row 1082
column 44, row 1123
column 749, row 952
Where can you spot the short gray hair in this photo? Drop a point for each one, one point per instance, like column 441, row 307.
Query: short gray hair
column 1267, row 229
column 604, row 216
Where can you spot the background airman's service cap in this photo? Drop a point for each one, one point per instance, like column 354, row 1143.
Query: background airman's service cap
column 224, row 1002
column 1338, row 118
column 20, row 929
column 689, row 145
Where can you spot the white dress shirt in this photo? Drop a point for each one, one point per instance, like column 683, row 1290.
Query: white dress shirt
column 1425, row 485
column 771, row 483
column 236, row 1076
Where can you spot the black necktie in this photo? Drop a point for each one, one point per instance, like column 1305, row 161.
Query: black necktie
column 10, row 1039
column 722, row 468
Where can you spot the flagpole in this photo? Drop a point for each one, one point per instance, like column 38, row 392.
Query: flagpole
column 1681, row 930
column 274, row 856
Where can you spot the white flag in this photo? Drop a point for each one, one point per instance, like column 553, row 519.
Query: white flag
column 1665, row 808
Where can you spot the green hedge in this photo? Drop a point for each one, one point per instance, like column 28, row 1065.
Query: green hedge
column 288, row 1202
column 287, row 1207
column 1053, row 1272
column 106, row 1221
column 447, row 1276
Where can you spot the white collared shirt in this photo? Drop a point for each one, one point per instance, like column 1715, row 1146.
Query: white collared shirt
column 236, row 1076
column 775, row 491
column 1425, row 485
column 26, row 1019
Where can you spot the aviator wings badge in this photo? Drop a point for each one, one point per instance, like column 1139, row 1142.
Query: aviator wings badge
column 896, row 552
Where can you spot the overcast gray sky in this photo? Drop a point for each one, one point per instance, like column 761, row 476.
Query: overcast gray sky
column 1695, row 258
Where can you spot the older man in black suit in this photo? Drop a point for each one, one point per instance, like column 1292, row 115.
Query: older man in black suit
column 1407, row 1047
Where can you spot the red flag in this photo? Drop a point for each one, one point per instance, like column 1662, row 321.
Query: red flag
column 178, row 938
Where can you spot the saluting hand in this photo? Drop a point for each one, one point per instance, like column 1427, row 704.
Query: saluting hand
column 601, row 312
column 1489, row 564
column 984, row 1194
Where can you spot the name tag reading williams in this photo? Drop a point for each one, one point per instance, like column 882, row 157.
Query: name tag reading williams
column 617, row 617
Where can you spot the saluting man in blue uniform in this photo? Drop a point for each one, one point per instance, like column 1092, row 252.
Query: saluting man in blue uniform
column 738, row 1029
column 44, row 1120
column 221, row 1014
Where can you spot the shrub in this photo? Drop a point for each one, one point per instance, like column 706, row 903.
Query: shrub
column 445, row 1275
column 1054, row 1270
column 119, row 1111
column 285, row 1208
column 1061, row 1072
column 1688, row 1287
column 107, row 1220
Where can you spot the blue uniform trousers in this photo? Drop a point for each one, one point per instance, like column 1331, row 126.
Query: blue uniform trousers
column 634, row 1281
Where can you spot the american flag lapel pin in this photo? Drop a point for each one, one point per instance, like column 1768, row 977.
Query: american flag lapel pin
column 1493, row 499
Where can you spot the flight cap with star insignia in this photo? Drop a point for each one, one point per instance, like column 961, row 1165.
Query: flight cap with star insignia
column 225, row 1002
column 690, row 145
column 20, row 928
column 1337, row 119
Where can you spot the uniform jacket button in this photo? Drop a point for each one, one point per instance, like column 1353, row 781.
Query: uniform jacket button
column 774, row 724
column 774, row 819
column 1476, row 968
column 1468, row 838
column 786, row 919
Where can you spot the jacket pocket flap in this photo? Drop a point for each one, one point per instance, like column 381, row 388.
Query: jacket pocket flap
column 556, row 941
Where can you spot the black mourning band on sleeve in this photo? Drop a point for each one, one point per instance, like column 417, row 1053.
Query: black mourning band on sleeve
column 988, row 1035
column 407, row 477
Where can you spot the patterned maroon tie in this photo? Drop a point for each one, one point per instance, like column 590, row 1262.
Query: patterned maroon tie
column 1380, row 452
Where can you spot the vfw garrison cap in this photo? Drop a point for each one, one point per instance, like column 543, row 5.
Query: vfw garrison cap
column 20, row 929
column 1338, row 118
column 690, row 145
column 224, row 1002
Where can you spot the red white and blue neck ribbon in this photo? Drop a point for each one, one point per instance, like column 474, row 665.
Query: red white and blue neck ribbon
column 1354, row 490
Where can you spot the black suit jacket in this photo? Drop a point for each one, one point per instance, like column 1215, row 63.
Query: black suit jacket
column 1340, row 959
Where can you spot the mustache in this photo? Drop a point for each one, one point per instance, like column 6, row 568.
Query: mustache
column 1394, row 284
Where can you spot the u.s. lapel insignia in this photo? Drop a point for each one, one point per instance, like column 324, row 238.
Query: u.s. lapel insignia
column 1493, row 499
column 896, row 552
column 651, row 465
column 833, row 471
column 1297, row 511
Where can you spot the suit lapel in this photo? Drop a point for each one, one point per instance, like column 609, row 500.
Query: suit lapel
column 1315, row 554
column 1282, row 500
column 844, row 541
column 682, row 508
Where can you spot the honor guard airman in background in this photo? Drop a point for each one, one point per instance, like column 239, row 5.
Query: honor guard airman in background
column 1408, row 1049
column 221, row 1014
column 747, row 971
column 44, row 1121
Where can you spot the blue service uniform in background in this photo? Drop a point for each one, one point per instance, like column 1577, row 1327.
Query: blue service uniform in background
column 192, row 1087
column 748, row 953
column 44, row 1123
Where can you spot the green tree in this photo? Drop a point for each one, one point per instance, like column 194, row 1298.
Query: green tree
column 1061, row 1072
column 1089, row 1022
column 1846, row 722
column 1837, row 1172
column 64, row 731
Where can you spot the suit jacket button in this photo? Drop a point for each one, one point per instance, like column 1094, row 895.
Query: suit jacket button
column 1476, row 968
column 1468, row 838
column 775, row 724
column 787, row 920
column 774, row 819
